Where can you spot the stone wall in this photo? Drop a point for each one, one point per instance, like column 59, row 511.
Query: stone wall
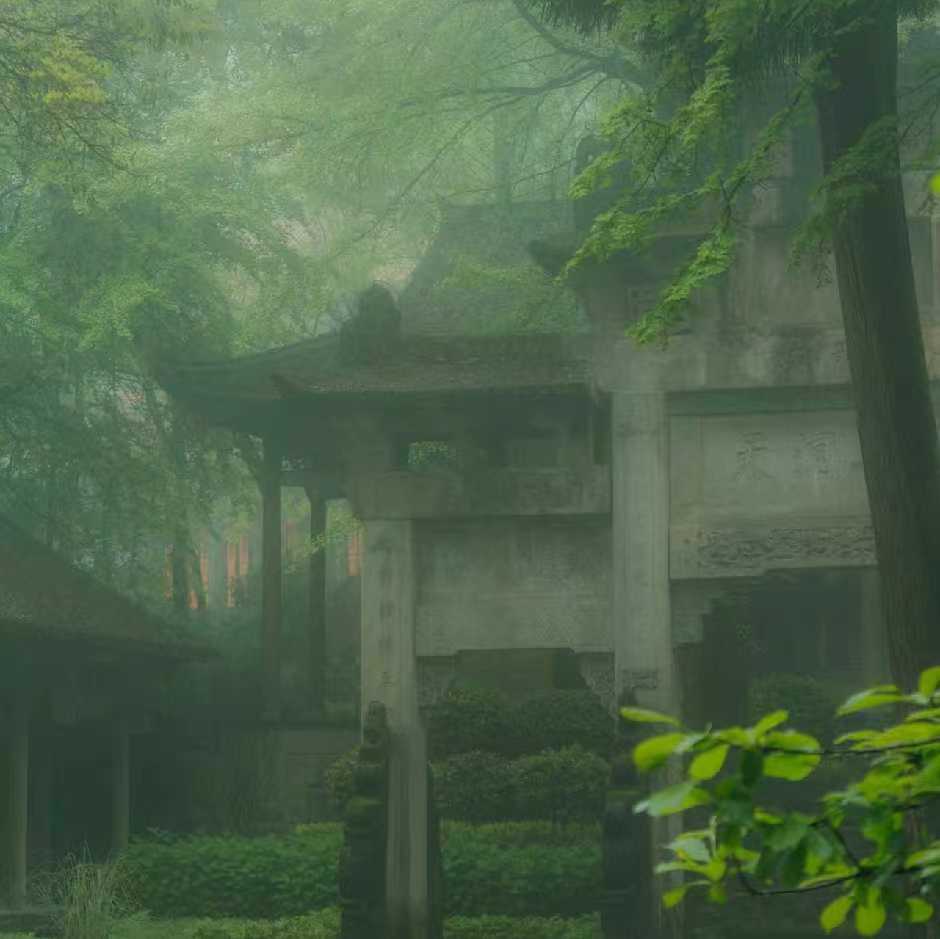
column 513, row 583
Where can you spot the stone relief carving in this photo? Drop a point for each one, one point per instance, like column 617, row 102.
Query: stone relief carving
column 435, row 677
column 597, row 670
column 747, row 550
column 643, row 678
column 752, row 457
column 816, row 456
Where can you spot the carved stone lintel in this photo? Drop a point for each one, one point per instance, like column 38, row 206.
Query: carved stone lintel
column 745, row 552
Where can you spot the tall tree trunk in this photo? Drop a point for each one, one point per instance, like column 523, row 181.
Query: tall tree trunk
column 875, row 273
column 180, row 556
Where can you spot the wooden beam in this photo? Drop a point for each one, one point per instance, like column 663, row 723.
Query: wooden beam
column 120, row 786
column 271, row 579
column 19, row 799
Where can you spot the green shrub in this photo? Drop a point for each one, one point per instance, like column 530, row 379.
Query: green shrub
column 323, row 924
column 472, row 719
column 339, row 779
column 486, row 876
column 475, row 787
column 525, row 834
column 519, row 869
column 231, row 876
column 560, row 785
column 558, row 719
column 515, row 927
column 807, row 699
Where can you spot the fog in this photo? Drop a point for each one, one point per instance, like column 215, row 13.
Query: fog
column 468, row 469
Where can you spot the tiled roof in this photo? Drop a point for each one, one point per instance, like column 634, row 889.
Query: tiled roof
column 43, row 596
column 228, row 391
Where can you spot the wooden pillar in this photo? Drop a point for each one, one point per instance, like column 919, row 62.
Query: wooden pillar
column 42, row 766
column 19, row 799
column 120, row 786
column 271, row 582
column 317, row 603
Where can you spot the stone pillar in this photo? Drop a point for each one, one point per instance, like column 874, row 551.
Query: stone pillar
column 642, row 624
column 19, row 799
column 317, row 584
column 120, row 786
column 271, row 581
column 390, row 676
column 642, row 617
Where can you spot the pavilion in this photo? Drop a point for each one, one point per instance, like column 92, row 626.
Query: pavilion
column 78, row 662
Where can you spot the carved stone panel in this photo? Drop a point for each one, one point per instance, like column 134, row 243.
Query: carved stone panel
column 513, row 584
column 435, row 678
column 747, row 551
column 597, row 670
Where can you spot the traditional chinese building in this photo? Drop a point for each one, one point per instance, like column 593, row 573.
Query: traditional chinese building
column 81, row 670
column 654, row 515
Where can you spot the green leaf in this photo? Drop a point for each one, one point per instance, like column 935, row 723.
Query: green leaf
column 693, row 848
column 790, row 766
column 643, row 716
column 673, row 799
column 718, row 894
column 871, row 698
column 916, row 909
column 674, row 897
column 870, row 916
column 792, row 741
column 708, row 764
column 833, row 916
column 857, row 736
column 929, row 680
column 654, row 752
column 769, row 722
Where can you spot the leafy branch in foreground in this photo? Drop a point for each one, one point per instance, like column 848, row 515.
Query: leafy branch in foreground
column 868, row 842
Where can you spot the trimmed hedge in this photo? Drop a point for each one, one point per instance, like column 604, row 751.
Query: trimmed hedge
column 515, row 927
column 558, row 785
column 808, row 700
column 558, row 719
column 473, row 719
column 323, row 924
column 476, row 719
column 487, row 874
column 507, row 869
column 267, row 877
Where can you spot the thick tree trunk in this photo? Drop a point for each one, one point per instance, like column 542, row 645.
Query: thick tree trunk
column 875, row 274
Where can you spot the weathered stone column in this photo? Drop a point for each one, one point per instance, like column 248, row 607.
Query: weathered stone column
column 271, row 580
column 642, row 623
column 642, row 616
column 120, row 786
column 19, row 799
column 317, row 585
column 390, row 676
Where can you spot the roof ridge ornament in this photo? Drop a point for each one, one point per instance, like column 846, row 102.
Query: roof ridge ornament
column 374, row 330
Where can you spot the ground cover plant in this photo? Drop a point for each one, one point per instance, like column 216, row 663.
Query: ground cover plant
column 325, row 925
